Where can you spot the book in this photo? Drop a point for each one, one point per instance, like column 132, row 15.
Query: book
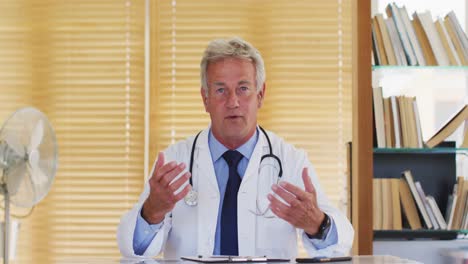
column 423, row 41
column 452, row 213
column 437, row 213
column 387, row 44
column 404, row 122
column 449, row 127
column 377, row 46
column 396, row 208
column 456, row 42
column 419, row 136
column 394, row 13
column 396, row 121
column 379, row 43
column 422, row 195
column 396, row 42
column 447, row 42
column 464, row 222
column 422, row 209
column 408, row 205
column 412, row 36
column 434, row 41
column 459, row 31
column 379, row 116
column 462, row 188
column 377, row 204
column 387, row 217
column 388, row 121
column 465, row 136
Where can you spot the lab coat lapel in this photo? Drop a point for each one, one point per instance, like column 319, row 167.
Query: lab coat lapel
column 246, row 200
column 208, row 195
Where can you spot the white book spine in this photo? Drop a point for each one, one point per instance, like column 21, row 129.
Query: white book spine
column 401, row 31
column 449, row 41
column 396, row 42
column 379, row 116
column 396, row 121
column 459, row 31
column 417, row 198
column 434, row 40
column 452, row 212
column 418, row 124
column 438, row 214
column 412, row 36
column 422, row 195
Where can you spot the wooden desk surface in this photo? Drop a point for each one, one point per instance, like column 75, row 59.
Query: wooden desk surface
column 355, row 260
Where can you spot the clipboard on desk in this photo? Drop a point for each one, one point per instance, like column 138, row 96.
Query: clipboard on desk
column 323, row 259
column 233, row 259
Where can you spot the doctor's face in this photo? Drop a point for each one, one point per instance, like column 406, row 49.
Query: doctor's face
column 232, row 100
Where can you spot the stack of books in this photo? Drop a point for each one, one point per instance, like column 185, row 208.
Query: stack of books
column 400, row 40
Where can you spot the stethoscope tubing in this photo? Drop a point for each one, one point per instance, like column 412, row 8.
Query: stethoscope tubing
column 270, row 155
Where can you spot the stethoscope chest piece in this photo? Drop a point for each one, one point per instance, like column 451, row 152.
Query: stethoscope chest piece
column 191, row 199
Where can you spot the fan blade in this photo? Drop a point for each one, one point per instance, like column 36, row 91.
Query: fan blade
column 38, row 178
column 14, row 144
column 36, row 136
column 15, row 177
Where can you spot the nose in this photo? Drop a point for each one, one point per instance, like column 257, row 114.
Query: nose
column 232, row 100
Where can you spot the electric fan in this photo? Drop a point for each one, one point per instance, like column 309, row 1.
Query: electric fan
column 28, row 162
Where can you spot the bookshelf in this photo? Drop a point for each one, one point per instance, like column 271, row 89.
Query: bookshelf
column 439, row 89
column 368, row 158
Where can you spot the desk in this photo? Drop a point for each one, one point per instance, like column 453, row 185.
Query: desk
column 356, row 260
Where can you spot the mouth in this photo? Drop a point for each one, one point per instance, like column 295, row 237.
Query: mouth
column 233, row 117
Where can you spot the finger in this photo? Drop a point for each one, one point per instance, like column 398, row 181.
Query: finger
column 279, row 213
column 170, row 175
column 298, row 192
column 160, row 161
column 157, row 166
column 286, row 196
column 182, row 193
column 275, row 202
column 179, row 182
column 281, row 210
column 167, row 168
column 309, row 187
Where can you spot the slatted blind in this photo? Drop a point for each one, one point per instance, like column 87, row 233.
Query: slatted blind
column 82, row 63
column 306, row 46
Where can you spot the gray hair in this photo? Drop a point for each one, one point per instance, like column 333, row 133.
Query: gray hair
column 232, row 48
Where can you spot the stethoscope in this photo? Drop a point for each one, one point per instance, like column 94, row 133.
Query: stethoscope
column 191, row 198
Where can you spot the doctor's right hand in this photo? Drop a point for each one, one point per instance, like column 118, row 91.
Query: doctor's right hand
column 163, row 187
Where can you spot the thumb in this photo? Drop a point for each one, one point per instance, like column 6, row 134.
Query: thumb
column 309, row 187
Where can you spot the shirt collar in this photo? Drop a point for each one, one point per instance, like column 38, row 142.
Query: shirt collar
column 217, row 149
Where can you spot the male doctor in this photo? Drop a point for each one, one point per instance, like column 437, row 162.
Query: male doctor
column 248, row 191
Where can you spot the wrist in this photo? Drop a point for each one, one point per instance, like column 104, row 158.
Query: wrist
column 322, row 230
column 150, row 216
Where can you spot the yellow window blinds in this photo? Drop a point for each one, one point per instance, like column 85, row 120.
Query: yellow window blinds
column 82, row 64
column 306, row 46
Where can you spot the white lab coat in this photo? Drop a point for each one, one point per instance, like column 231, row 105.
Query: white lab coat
column 191, row 231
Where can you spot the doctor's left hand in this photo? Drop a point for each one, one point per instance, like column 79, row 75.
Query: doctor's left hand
column 302, row 210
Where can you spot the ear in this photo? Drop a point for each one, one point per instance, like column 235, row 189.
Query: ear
column 204, row 98
column 261, row 95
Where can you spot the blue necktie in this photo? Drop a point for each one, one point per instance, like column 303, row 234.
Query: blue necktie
column 229, row 241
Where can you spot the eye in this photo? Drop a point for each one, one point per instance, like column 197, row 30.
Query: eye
column 220, row 90
column 244, row 89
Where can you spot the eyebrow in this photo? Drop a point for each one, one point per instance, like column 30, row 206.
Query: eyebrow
column 239, row 83
column 244, row 82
